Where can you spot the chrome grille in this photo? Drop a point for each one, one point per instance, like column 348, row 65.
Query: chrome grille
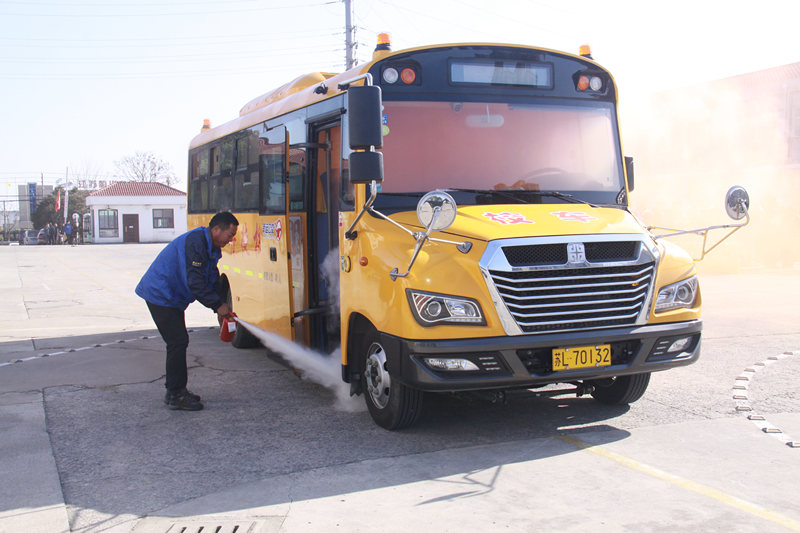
column 609, row 287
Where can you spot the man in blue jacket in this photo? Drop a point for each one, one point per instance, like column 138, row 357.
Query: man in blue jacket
column 185, row 271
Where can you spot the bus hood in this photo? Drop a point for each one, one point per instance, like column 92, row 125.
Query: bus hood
column 489, row 222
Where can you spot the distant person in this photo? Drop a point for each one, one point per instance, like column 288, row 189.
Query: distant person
column 50, row 232
column 68, row 231
column 185, row 271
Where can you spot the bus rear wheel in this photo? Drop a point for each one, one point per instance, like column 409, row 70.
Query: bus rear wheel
column 391, row 404
column 620, row 390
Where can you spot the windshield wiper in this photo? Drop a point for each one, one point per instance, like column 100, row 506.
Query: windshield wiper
column 509, row 193
column 493, row 192
column 563, row 196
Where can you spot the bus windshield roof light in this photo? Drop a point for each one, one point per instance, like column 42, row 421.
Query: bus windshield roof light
column 408, row 75
column 586, row 51
column 390, row 75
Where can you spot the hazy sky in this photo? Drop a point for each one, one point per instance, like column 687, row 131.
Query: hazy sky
column 87, row 82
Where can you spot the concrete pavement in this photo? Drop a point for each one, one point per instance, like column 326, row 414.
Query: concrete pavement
column 87, row 445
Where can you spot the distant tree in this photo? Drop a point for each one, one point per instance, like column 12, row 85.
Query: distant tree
column 146, row 166
column 46, row 209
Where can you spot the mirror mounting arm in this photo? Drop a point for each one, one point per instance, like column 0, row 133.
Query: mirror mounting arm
column 704, row 232
column 350, row 234
column 421, row 238
column 346, row 84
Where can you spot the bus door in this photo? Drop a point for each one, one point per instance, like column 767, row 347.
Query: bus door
column 313, row 228
column 297, row 200
column 324, row 237
column 274, row 242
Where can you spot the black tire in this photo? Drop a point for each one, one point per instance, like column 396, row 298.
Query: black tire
column 620, row 390
column 391, row 404
column 242, row 338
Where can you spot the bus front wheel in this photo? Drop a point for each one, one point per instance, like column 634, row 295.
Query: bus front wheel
column 620, row 390
column 391, row 404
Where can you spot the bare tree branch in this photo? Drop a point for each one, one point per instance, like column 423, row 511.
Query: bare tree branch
column 144, row 167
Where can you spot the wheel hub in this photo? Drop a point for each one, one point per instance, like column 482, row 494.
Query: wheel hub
column 377, row 378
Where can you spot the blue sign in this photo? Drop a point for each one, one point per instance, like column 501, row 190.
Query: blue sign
column 32, row 197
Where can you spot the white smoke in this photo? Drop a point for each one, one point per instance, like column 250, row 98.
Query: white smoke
column 314, row 366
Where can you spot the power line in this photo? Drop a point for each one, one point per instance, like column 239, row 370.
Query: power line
column 227, row 55
column 138, row 4
column 158, row 42
column 162, row 14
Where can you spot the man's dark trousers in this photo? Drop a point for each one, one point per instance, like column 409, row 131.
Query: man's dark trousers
column 171, row 324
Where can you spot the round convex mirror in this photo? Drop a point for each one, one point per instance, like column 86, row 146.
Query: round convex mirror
column 736, row 198
column 427, row 206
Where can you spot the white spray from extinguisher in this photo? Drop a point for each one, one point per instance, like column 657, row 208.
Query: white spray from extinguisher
column 323, row 369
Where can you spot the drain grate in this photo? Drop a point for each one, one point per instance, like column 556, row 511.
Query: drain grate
column 214, row 526
column 208, row 524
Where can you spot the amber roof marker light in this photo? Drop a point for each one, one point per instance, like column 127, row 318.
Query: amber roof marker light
column 384, row 42
column 586, row 51
column 384, row 46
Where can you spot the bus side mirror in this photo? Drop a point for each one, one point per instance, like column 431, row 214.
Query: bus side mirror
column 366, row 167
column 737, row 202
column 364, row 126
column 629, row 171
column 364, row 117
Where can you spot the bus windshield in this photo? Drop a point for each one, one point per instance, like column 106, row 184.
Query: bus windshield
column 511, row 147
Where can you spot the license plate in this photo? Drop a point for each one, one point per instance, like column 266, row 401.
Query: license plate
column 581, row 357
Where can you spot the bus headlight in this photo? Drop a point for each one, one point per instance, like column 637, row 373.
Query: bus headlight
column 431, row 309
column 677, row 295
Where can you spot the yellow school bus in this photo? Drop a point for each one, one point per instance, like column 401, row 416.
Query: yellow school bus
column 455, row 217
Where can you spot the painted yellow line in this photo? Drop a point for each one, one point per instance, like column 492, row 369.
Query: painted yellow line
column 248, row 272
column 686, row 484
column 237, row 270
column 226, row 267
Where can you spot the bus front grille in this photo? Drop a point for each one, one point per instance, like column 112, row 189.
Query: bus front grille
column 612, row 292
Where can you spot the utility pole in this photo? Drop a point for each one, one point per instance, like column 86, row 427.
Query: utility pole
column 349, row 32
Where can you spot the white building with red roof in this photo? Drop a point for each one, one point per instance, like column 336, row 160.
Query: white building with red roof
column 130, row 211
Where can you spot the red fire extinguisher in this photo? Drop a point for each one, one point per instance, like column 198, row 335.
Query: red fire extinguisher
column 228, row 328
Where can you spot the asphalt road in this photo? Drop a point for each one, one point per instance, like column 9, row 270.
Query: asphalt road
column 87, row 445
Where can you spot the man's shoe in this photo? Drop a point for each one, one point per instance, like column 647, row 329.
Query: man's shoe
column 183, row 402
column 185, row 392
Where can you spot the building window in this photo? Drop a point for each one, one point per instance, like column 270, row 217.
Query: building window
column 108, row 222
column 163, row 218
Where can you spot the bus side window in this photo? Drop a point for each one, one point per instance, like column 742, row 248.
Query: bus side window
column 198, row 188
column 246, row 177
column 272, row 165
column 221, row 194
column 347, row 194
column 215, row 160
column 297, row 181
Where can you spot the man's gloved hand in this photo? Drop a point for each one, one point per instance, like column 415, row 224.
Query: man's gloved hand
column 223, row 311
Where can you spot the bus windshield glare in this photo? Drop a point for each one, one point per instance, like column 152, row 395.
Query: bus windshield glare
column 502, row 146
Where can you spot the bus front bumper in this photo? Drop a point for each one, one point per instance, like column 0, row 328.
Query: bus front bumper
column 527, row 360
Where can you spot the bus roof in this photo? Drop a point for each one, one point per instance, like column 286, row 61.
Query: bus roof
column 302, row 91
